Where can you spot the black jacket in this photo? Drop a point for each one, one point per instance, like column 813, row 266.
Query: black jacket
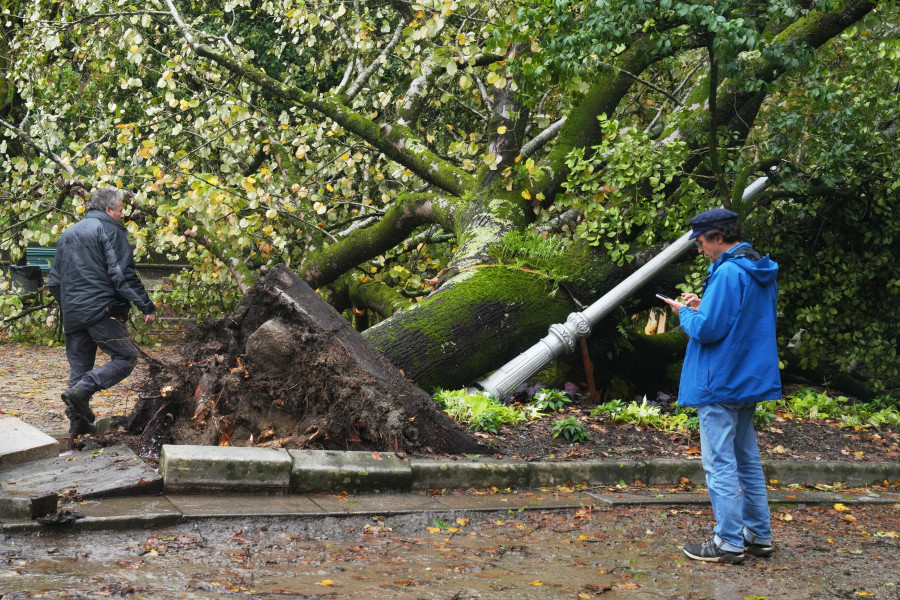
column 93, row 273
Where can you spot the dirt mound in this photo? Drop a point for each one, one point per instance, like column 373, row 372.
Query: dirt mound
column 286, row 370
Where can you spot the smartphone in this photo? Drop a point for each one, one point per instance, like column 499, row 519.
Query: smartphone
column 661, row 297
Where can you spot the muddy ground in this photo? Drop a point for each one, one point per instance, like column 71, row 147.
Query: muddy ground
column 595, row 552
column 33, row 377
column 623, row 552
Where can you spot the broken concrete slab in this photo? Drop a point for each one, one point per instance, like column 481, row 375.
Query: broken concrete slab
column 103, row 425
column 334, row 471
column 192, row 469
column 21, row 442
column 445, row 473
column 23, row 507
column 113, row 471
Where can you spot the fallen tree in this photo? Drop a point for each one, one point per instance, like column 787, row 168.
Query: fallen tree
column 458, row 176
column 286, row 370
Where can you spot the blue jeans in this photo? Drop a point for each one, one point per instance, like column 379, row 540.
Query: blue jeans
column 734, row 475
column 111, row 336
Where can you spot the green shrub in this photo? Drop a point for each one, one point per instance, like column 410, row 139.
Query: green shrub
column 641, row 414
column 552, row 400
column 571, row 429
column 480, row 411
column 611, row 408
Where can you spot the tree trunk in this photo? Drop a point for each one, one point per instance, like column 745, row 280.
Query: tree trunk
column 471, row 325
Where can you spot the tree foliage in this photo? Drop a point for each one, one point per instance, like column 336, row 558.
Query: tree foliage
column 383, row 151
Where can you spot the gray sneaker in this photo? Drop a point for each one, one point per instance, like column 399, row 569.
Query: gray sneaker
column 762, row 550
column 708, row 551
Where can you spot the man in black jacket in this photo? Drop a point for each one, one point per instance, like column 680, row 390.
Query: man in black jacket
column 94, row 280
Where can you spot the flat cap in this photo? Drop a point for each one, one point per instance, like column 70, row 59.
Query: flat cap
column 711, row 219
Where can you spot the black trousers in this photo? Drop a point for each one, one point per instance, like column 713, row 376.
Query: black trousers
column 110, row 336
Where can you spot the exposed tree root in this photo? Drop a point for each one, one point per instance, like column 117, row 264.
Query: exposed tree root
column 286, row 370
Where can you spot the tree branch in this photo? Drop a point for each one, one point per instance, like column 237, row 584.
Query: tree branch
column 408, row 213
column 364, row 77
column 34, row 144
column 542, row 138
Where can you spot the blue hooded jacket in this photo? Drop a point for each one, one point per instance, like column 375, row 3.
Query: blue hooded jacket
column 732, row 354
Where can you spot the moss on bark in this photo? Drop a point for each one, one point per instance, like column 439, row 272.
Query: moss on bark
column 487, row 316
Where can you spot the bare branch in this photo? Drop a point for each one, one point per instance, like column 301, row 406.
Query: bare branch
column 363, row 77
column 542, row 138
column 185, row 31
column 417, row 93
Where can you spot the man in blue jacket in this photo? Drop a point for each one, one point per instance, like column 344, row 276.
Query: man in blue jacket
column 94, row 280
column 731, row 363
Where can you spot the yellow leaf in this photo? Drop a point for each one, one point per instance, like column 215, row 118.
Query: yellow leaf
column 501, row 130
column 526, row 194
column 462, row 522
column 433, row 529
column 454, row 529
column 582, row 538
column 840, row 506
column 325, row 583
column 535, row 582
column 849, row 518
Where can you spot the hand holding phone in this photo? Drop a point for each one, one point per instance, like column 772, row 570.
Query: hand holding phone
column 663, row 298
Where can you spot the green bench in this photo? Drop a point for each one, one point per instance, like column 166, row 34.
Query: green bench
column 37, row 256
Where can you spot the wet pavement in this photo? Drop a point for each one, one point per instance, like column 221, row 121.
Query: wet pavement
column 535, row 545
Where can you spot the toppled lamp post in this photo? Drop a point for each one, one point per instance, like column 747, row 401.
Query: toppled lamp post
column 563, row 337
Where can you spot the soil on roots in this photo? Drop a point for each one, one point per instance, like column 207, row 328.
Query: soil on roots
column 286, row 370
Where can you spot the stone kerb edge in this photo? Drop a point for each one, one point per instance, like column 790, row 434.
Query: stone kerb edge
column 447, row 473
column 593, row 472
column 224, row 468
column 829, row 472
column 348, row 471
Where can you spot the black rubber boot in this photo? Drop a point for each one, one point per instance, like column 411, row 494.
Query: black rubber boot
column 78, row 401
column 80, row 426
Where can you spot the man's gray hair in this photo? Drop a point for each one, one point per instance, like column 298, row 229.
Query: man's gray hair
column 103, row 198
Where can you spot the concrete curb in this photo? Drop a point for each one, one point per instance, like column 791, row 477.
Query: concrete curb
column 202, row 482
column 201, row 469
